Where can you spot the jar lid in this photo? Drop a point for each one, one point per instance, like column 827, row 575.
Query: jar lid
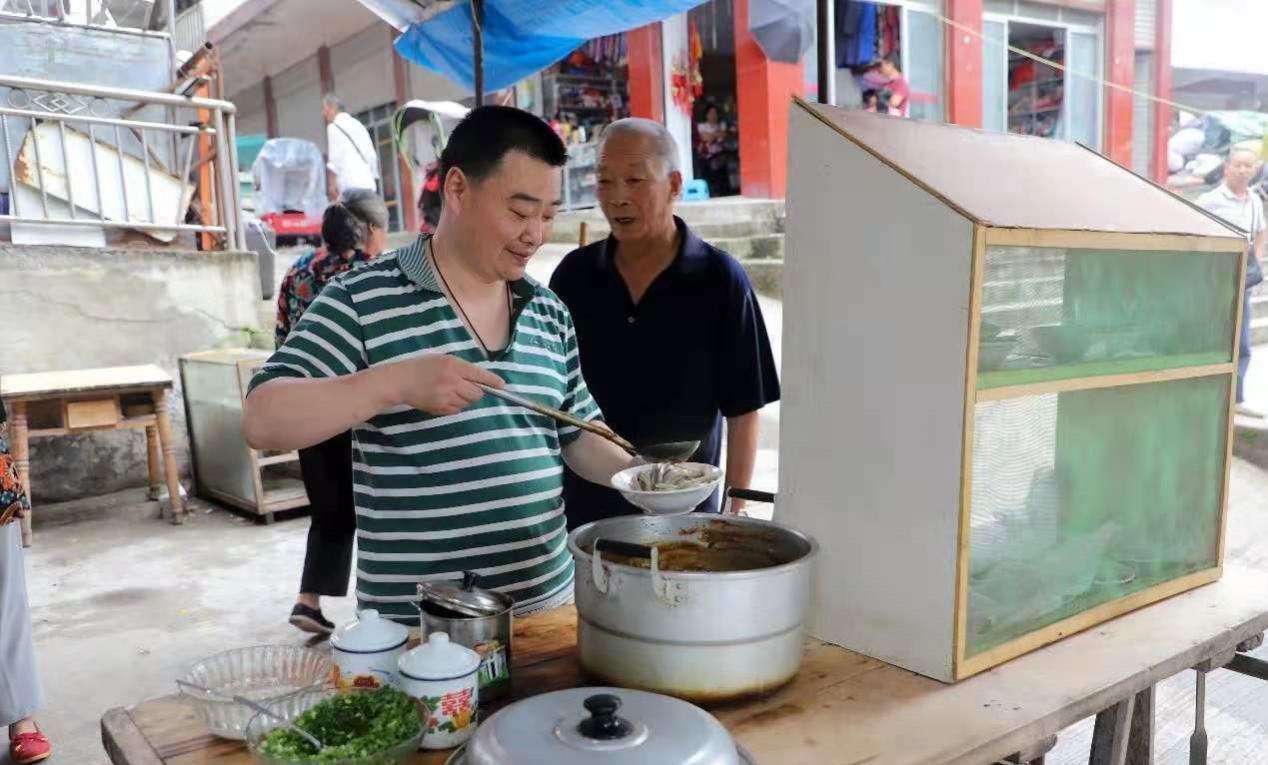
column 438, row 659
column 612, row 725
column 369, row 633
column 465, row 598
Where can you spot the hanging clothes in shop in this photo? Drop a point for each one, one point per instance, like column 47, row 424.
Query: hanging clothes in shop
column 856, row 33
column 888, row 43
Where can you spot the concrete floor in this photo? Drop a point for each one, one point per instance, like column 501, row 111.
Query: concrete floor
column 124, row 602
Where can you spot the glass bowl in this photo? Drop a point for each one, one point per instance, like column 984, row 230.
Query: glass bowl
column 265, row 673
column 291, row 707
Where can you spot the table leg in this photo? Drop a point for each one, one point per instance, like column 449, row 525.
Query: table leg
column 169, row 456
column 1111, row 734
column 153, row 457
column 22, row 458
column 1198, row 741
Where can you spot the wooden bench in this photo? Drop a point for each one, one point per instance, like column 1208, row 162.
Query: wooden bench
column 48, row 404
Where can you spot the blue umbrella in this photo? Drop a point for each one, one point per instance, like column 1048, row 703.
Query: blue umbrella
column 520, row 37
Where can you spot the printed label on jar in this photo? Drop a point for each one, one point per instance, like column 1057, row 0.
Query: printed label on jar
column 494, row 668
column 451, row 713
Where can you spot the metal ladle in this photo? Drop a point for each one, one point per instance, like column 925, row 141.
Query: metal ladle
column 258, row 707
column 670, row 451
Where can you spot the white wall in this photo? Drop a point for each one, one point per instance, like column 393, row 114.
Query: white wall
column 1225, row 35
column 252, row 115
column 297, row 93
column 362, row 68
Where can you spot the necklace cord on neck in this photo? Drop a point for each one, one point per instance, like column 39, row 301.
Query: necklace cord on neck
column 453, row 296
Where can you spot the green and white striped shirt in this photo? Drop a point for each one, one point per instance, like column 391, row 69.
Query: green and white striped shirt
column 475, row 491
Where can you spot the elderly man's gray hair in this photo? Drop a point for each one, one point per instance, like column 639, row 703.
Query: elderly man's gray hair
column 330, row 99
column 662, row 141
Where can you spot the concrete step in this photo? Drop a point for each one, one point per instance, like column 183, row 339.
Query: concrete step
column 767, row 276
column 761, row 247
column 1259, row 317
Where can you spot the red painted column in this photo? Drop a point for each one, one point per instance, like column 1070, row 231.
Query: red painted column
column 964, row 63
column 324, row 70
column 647, row 72
column 1120, row 57
column 406, row 197
column 763, row 101
column 1162, row 89
column 270, row 108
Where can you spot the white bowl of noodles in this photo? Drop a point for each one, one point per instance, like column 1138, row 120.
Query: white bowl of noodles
column 677, row 490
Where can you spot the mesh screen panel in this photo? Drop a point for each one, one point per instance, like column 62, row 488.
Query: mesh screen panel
column 1081, row 498
column 1051, row 314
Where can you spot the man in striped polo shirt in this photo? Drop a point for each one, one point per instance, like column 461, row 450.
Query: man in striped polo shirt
column 446, row 479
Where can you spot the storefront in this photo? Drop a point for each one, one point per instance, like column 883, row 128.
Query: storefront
column 955, row 58
column 1022, row 95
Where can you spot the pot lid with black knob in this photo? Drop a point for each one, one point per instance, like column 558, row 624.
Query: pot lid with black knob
column 613, row 726
column 463, row 598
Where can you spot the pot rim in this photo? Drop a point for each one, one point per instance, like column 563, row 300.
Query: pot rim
column 585, row 557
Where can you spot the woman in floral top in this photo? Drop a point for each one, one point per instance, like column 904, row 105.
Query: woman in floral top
column 353, row 231
column 20, row 693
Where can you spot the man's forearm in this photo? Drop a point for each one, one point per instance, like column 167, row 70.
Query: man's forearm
column 595, row 458
column 294, row 413
column 741, row 449
column 1260, row 239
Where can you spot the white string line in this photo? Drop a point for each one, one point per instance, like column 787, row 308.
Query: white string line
column 1063, row 68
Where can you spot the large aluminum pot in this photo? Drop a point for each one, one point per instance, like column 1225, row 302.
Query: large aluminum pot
column 701, row 636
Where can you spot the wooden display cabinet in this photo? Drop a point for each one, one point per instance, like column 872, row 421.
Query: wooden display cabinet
column 226, row 469
column 1009, row 369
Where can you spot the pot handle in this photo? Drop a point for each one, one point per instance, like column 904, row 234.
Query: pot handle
column 599, row 575
column 752, row 495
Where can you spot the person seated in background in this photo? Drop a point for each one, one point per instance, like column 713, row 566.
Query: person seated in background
column 884, row 75
column 670, row 333
column 353, row 231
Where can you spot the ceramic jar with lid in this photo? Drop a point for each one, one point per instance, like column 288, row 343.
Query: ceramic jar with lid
column 612, row 726
column 443, row 675
column 367, row 649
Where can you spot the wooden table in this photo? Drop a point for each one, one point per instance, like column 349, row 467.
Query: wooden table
column 847, row 709
column 46, row 404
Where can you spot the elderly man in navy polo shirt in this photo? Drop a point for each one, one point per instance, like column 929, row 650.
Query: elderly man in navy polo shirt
column 669, row 330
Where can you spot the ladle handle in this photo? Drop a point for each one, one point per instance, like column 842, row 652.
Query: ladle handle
column 563, row 417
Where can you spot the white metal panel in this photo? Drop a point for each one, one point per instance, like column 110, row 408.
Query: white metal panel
column 1146, row 24
column 876, row 299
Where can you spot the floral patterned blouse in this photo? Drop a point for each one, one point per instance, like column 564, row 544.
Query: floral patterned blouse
column 304, row 282
column 10, row 491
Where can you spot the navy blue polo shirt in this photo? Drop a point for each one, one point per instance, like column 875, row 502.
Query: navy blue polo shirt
column 693, row 351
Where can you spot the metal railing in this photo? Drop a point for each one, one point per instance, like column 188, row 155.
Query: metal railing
column 89, row 156
column 134, row 15
column 190, row 32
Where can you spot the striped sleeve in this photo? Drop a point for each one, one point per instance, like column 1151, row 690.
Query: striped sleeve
column 577, row 399
column 327, row 342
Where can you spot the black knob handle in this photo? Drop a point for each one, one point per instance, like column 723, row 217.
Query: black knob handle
column 469, row 580
column 603, row 724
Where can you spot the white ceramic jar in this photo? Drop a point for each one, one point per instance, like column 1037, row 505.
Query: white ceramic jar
column 367, row 650
column 444, row 676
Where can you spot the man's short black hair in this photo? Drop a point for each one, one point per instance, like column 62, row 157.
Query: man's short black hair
column 488, row 133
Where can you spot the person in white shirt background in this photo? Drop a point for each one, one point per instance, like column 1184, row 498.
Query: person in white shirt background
column 351, row 158
column 1238, row 205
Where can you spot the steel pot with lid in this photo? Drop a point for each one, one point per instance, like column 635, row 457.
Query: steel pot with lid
column 729, row 631
column 474, row 617
column 613, row 726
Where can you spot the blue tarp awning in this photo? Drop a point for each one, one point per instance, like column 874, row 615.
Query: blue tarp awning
column 522, row 37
